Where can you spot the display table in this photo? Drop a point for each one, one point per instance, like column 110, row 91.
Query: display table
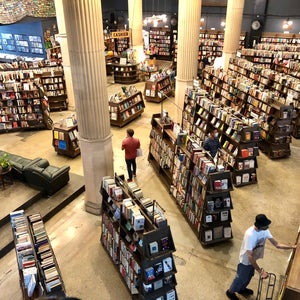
column 5, row 173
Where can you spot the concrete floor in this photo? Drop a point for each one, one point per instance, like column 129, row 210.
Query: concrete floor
column 202, row 273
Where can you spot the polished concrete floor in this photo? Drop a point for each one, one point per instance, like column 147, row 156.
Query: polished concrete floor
column 202, row 273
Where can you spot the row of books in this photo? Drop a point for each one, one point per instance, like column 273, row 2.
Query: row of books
column 52, row 80
column 24, row 250
column 216, row 233
column 46, row 260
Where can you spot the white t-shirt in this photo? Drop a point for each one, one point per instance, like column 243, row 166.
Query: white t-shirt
column 254, row 241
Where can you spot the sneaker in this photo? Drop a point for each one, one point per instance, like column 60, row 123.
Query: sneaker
column 246, row 291
column 231, row 295
column 129, row 180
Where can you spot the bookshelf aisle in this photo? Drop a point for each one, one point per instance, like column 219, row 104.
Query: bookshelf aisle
column 138, row 240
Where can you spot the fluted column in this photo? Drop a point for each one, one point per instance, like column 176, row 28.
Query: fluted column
column 135, row 15
column 61, row 37
column 234, row 17
column 83, row 19
column 187, row 48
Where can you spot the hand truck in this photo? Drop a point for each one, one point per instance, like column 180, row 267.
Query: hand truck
column 270, row 287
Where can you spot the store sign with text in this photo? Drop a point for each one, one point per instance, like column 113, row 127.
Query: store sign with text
column 120, row 34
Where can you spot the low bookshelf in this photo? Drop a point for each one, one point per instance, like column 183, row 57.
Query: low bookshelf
column 125, row 106
column 39, row 272
column 65, row 140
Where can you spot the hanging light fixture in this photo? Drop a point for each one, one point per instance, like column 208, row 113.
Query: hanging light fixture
column 287, row 25
column 156, row 20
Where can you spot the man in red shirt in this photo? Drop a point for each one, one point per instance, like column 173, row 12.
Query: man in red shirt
column 130, row 145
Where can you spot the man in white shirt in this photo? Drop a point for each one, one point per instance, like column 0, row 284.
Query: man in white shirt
column 252, row 249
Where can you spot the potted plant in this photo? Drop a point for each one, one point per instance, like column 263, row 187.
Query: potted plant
column 4, row 162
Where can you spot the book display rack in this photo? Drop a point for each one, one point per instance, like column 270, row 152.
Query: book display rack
column 202, row 191
column 157, row 88
column 65, row 140
column 256, row 92
column 125, row 106
column 21, row 103
column 138, row 240
column 162, row 148
column 160, row 38
column 238, row 137
column 193, row 179
column 54, row 86
column 38, row 268
column 126, row 74
column 276, row 131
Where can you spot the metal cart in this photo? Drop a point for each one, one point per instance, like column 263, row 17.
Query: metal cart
column 269, row 289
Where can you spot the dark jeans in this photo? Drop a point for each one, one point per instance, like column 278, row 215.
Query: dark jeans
column 131, row 167
column 242, row 278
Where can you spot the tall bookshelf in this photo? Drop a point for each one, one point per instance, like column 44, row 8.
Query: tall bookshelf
column 239, row 137
column 125, row 106
column 21, row 103
column 162, row 148
column 138, row 240
column 38, row 268
column 54, row 86
column 276, row 131
column 160, row 39
column 202, row 193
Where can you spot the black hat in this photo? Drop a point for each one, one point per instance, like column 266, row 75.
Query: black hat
column 261, row 221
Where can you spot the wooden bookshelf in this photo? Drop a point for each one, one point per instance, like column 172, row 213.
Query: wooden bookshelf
column 202, row 193
column 290, row 288
column 65, row 140
column 126, row 74
column 157, row 88
column 238, row 136
column 55, row 89
column 125, row 108
column 38, row 268
column 138, row 239
column 161, row 40
column 162, row 148
column 21, row 103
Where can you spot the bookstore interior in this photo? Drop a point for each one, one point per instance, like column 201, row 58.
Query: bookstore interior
column 254, row 106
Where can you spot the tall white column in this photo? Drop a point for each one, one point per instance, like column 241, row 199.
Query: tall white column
column 189, row 13
column 83, row 19
column 61, row 37
column 135, row 15
column 234, row 18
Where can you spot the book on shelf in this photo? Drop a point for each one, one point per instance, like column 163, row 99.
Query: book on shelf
column 167, row 264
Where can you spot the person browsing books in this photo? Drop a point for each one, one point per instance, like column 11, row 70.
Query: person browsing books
column 212, row 144
column 252, row 249
column 130, row 145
